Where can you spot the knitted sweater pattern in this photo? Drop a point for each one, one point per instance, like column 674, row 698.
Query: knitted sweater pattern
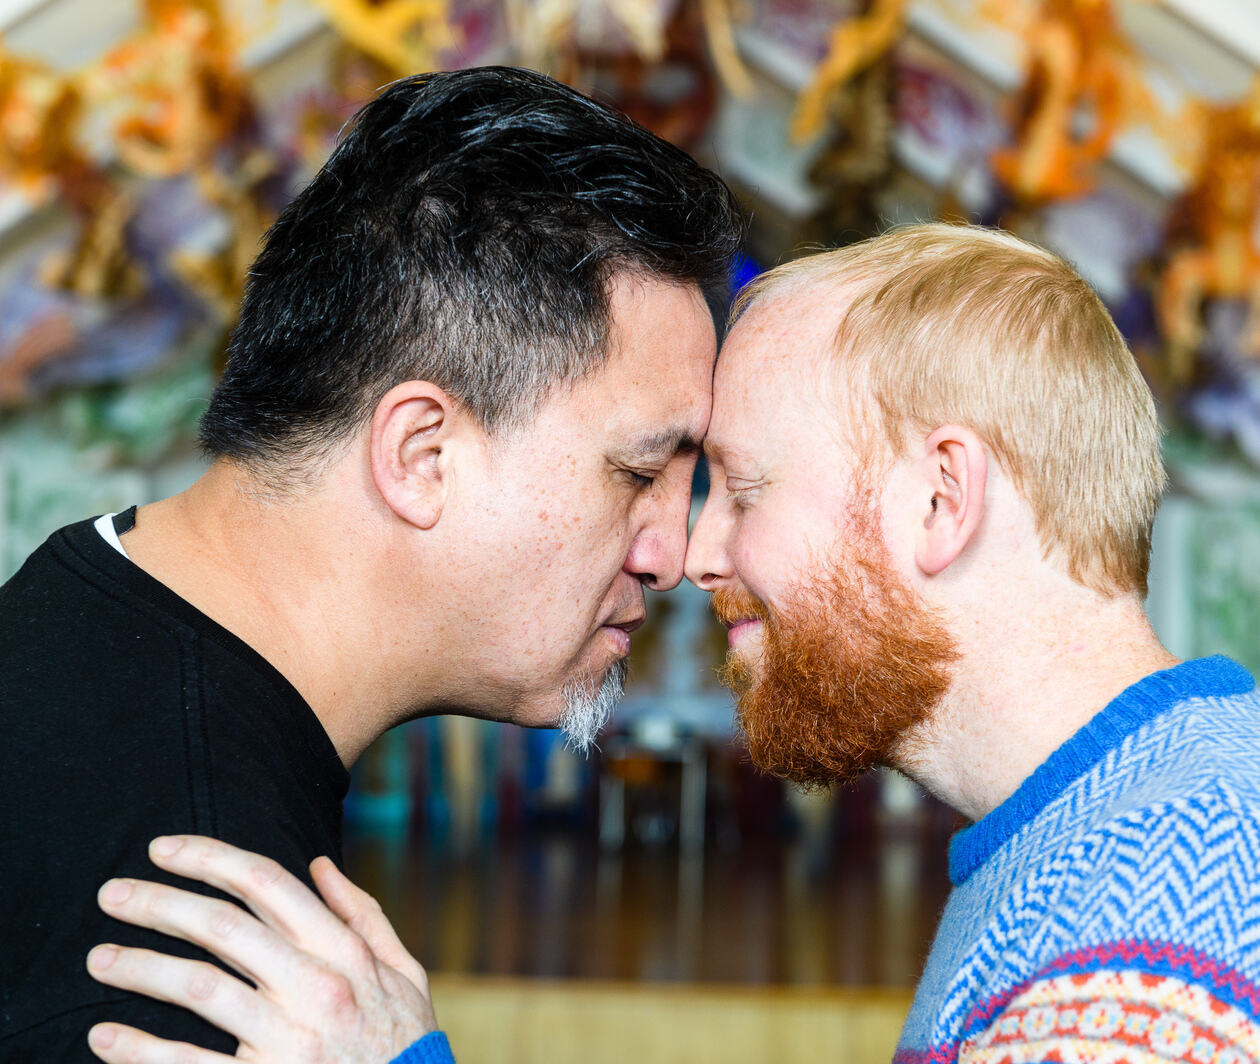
column 1109, row 910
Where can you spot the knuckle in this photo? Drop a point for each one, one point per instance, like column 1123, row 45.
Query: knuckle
column 359, row 955
column 203, row 852
column 129, row 1048
column 151, row 901
column 184, row 1054
column 336, row 992
column 306, row 1044
column 125, row 1050
column 224, row 920
column 265, row 872
column 204, row 983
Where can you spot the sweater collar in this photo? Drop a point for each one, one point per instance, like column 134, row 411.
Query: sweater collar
column 1123, row 715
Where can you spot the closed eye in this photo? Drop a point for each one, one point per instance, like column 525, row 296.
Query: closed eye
column 641, row 480
column 740, row 493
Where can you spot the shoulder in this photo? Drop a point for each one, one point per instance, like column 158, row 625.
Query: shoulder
column 1169, row 860
column 1143, row 931
column 1169, row 888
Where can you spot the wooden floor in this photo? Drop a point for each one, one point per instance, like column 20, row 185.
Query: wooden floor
column 496, row 1021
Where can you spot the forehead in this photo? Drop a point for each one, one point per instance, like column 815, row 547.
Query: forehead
column 656, row 384
column 773, row 390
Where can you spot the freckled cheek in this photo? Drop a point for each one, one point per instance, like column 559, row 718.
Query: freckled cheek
column 572, row 544
column 573, row 561
column 555, row 529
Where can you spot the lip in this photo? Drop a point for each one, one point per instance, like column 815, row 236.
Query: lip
column 619, row 636
column 619, row 633
column 738, row 629
column 631, row 625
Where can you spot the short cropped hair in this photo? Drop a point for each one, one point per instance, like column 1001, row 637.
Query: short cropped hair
column 954, row 324
column 465, row 232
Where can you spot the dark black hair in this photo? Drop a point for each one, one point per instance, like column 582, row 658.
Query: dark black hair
column 464, row 232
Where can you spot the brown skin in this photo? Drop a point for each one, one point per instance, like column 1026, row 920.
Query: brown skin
column 429, row 567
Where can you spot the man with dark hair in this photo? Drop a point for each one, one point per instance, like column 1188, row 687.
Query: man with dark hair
column 453, row 444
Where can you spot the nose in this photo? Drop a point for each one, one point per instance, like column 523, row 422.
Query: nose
column 656, row 554
column 707, row 562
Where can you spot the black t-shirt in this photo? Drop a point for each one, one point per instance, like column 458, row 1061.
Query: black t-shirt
column 125, row 714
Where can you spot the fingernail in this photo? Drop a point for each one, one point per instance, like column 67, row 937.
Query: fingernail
column 102, row 1036
column 101, row 958
column 116, row 891
column 165, row 845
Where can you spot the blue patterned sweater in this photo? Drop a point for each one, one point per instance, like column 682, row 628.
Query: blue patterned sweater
column 1109, row 910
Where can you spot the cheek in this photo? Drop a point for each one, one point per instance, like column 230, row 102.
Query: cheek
column 761, row 557
column 576, row 553
column 551, row 528
column 755, row 552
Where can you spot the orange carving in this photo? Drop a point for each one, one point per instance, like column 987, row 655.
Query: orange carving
column 857, row 44
column 404, row 36
column 1214, row 228
column 41, row 115
column 1072, row 101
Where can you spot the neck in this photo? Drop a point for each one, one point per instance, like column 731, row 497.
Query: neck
column 293, row 578
column 1023, row 687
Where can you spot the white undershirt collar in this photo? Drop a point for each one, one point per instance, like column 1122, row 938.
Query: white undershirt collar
column 105, row 526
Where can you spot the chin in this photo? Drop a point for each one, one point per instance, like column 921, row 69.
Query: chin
column 546, row 715
column 747, row 659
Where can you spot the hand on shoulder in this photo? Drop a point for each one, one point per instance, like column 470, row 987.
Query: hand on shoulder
column 331, row 982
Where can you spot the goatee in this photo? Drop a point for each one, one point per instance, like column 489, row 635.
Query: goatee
column 587, row 707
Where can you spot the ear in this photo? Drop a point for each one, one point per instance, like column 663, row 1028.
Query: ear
column 412, row 428
column 954, row 470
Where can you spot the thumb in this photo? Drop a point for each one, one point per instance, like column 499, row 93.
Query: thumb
column 363, row 914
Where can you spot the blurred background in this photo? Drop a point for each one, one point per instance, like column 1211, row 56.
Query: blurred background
column 661, row 900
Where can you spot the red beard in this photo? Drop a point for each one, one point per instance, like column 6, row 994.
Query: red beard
column 847, row 667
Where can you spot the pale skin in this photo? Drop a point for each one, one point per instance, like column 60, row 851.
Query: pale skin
column 783, row 470
column 1021, row 623
column 331, row 983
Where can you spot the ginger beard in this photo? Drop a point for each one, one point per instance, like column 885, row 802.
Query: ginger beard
column 847, row 667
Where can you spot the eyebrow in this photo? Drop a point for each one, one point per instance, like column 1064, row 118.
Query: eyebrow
column 663, row 444
column 715, row 452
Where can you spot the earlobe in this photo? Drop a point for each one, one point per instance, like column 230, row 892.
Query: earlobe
column 954, row 472
column 411, row 430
